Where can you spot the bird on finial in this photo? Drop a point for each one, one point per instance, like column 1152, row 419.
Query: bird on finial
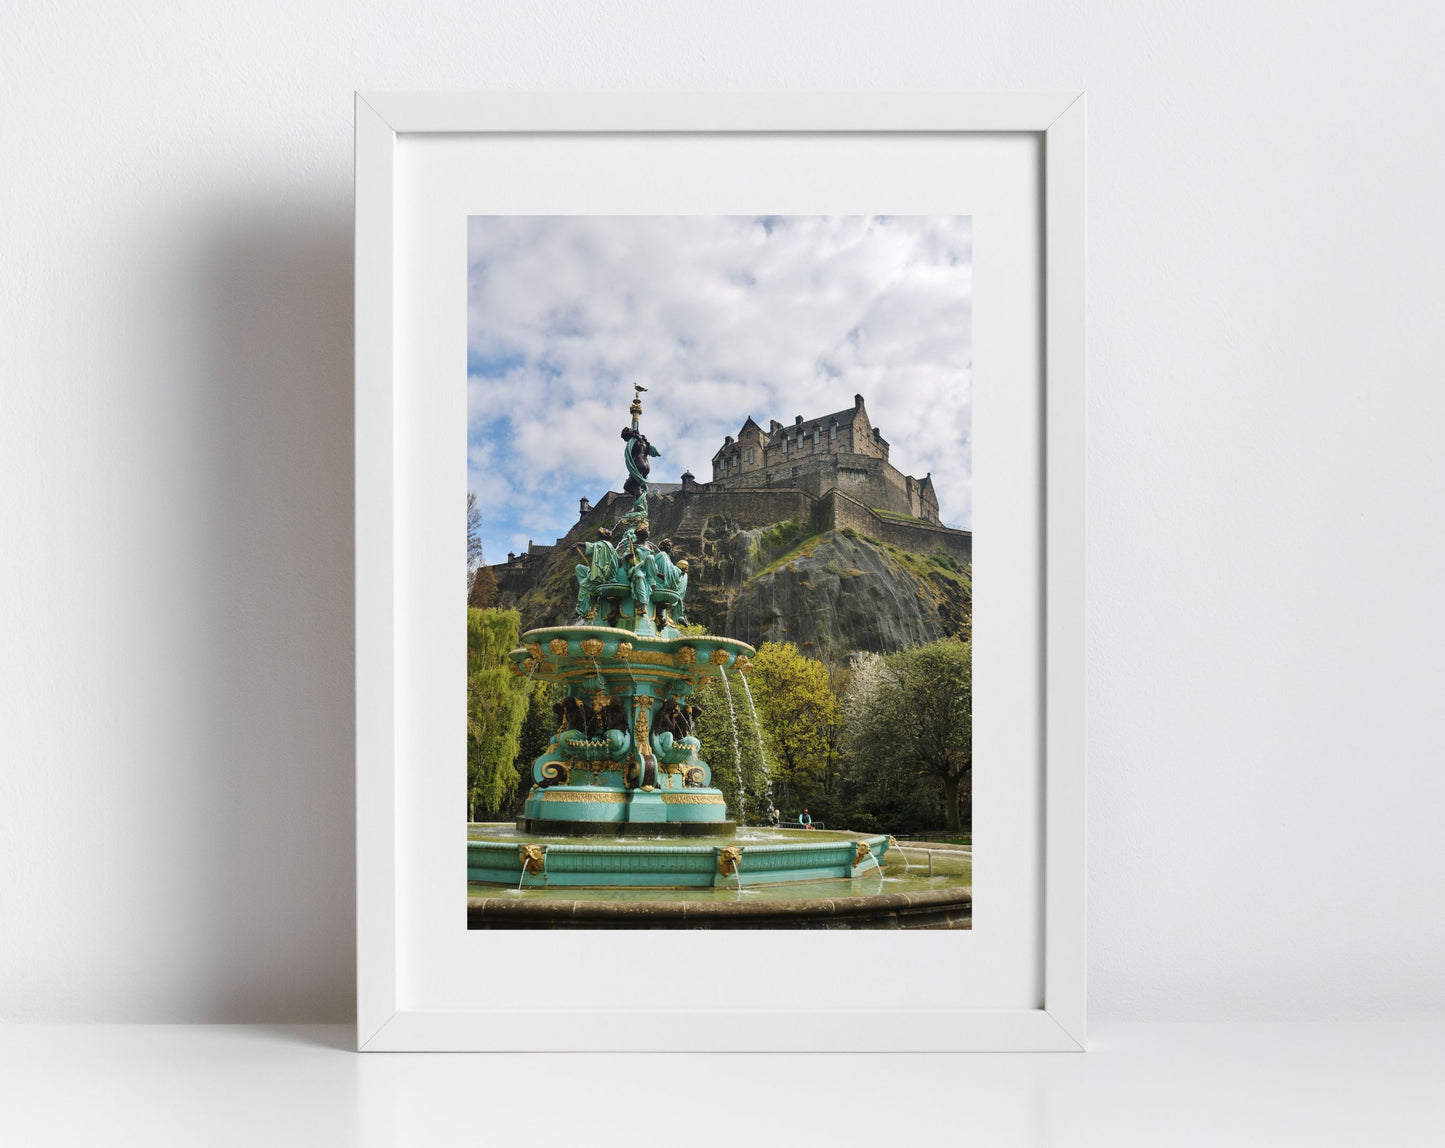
column 639, row 388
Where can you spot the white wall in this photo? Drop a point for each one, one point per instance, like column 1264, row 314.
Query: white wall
column 1267, row 279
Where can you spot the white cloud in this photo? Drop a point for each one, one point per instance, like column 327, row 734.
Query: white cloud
column 722, row 318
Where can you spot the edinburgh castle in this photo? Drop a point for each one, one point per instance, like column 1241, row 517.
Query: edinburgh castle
column 840, row 451
column 816, row 503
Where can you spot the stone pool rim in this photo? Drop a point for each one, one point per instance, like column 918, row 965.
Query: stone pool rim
column 948, row 908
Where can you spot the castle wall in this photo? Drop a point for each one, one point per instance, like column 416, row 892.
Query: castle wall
column 515, row 578
column 870, row 480
column 750, row 507
column 929, row 501
column 849, row 492
column 838, row 510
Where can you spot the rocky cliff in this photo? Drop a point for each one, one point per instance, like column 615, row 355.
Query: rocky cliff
column 832, row 593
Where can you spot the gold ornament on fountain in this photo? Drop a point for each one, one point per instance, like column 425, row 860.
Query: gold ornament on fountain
column 624, row 650
column 727, row 860
column 719, row 657
column 592, row 646
column 558, row 646
column 534, row 858
column 535, row 649
column 686, row 655
column 861, row 851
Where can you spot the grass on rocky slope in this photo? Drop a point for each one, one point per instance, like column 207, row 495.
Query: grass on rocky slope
column 926, row 567
column 803, row 547
column 895, row 516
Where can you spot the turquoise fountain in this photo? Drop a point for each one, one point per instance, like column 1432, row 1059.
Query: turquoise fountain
column 624, row 757
column 621, row 799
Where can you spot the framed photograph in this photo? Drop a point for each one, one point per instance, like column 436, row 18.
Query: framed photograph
column 726, row 380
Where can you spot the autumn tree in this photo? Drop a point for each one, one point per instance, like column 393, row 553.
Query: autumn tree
column 496, row 706
column 474, row 538
column 481, row 582
column 484, row 588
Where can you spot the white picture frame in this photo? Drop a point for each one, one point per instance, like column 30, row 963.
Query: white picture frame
column 385, row 1021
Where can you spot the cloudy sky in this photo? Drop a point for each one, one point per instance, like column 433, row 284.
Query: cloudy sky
column 720, row 317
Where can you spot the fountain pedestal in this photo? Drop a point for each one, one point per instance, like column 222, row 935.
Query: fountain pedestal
column 623, row 758
column 645, row 807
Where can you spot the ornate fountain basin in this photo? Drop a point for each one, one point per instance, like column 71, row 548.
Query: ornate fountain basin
column 654, row 864
column 576, row 654
column 623, row 756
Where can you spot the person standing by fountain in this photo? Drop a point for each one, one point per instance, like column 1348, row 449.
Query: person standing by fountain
column 805, row 820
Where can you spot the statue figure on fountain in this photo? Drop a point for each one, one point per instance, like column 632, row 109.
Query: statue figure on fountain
column 639, row 569
column 632, row 566
column 670, row 575
column 599, row 568
column 593, row 733
column 636, row 455
column 674, row 742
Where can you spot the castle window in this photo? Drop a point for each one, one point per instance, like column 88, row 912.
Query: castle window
column 815, row 438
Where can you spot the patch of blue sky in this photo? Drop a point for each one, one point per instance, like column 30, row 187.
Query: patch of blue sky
column 492, row 364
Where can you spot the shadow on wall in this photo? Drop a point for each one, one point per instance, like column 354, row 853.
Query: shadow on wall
column 279, row 793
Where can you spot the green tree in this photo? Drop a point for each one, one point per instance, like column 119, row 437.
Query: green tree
column 801, row 719
column 881, row 789
column 800, row 712
column 716, row 727
column 538, row 726
column 910, row 716
column 496, row 707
